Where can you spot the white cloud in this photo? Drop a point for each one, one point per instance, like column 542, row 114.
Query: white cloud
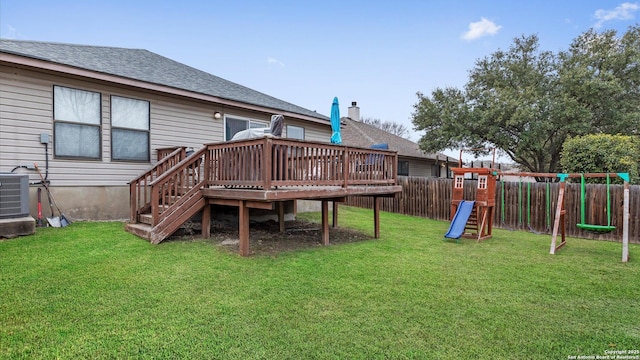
column 481, row 28
column 624, row 11
column 274, row 61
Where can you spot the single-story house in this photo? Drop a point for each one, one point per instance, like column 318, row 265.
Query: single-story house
column 411, row 160
column 93, row 118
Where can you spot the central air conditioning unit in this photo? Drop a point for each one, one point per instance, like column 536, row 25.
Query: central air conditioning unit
column 14, row 195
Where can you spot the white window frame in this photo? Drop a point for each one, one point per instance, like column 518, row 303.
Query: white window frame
column 458, row 182
column 251, row 124
column 482, row 182
column 132, row 129
column 57, row 132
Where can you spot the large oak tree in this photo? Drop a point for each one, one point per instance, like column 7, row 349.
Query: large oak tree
column 527, row 102
column 602, row 153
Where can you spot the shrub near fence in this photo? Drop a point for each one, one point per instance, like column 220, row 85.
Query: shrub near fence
column 525, row 205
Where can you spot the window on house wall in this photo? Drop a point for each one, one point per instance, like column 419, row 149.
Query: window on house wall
column 403, row 168
column 76, row 123
column 295, row 132
column 233, row 125
column 129, row 129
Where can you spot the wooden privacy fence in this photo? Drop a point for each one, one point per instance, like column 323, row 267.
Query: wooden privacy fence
column 528, row 206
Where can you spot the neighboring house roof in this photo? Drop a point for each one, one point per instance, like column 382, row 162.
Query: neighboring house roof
column 357, row 133
column 144, row 65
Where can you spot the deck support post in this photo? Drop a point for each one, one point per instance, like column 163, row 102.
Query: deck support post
column 376, row 217
column 206, row 221
column 243, row 227
column 281, row 215
column 335, row 214
column 325, row 222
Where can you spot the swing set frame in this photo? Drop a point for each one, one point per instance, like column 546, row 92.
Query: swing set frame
column 559, row 226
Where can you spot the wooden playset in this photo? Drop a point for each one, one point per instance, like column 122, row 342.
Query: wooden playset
column 479, row 222
column 474, row 218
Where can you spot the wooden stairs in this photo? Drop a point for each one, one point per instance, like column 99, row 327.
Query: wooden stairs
column 171, row 222
column 166, row 196
column 471, row 228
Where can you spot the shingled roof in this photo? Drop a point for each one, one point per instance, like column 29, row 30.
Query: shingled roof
column 357, row 133
column 144, row 65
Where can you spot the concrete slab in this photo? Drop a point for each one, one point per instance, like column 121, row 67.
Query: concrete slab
column 10, row 228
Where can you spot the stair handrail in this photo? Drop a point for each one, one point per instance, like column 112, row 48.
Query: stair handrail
column 136, row 186
column 163, row 185
column 188, row 161
column 179, row 154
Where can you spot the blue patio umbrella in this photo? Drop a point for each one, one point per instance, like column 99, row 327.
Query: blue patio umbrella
column 335, row 122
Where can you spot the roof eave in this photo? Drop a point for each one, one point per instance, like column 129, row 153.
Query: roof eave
column 43, row 64
column 442, row 158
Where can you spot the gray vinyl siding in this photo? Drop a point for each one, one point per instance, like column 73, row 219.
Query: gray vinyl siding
column 26, row 111
column 177, row 124
column 312, row 132
column 419, row 167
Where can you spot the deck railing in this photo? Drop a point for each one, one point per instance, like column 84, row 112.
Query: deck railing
column 271, row 162
column 139, row 189
column 261, row 163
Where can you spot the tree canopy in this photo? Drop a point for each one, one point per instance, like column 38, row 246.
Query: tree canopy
column 527, row 102
column 388, row 126
column 602, row 153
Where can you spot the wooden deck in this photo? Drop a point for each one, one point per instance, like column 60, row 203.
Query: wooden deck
column 257, row 173
column 298, row 192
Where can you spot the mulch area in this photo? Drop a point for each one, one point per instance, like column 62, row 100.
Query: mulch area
column 265, row 238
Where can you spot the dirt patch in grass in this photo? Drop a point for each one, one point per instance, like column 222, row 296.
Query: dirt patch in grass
column 265, row 238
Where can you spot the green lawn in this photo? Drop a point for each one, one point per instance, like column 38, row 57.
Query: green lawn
column 91, row 290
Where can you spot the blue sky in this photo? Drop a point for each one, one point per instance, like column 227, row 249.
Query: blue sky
column 378, row 53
